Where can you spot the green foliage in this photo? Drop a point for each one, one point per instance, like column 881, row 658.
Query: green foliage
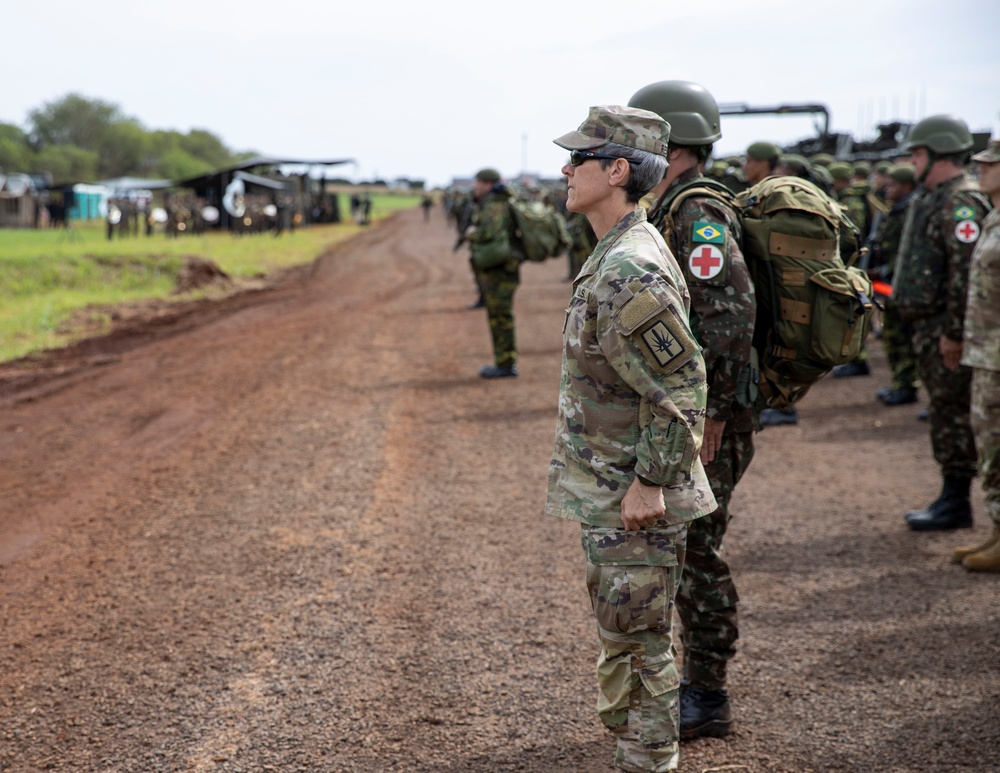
column 79, row 139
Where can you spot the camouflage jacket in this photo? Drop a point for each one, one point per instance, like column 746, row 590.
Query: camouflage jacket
column 854, row 198
column 490, row 240
column 632, row 395
column 704, row 233
column 932, row 267
column 981, row 347
column 888, row 229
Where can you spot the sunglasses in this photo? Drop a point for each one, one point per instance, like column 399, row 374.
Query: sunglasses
column 577, row 157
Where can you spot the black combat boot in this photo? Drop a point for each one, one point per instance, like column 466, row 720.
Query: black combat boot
column 951, row 510
column 704, row 712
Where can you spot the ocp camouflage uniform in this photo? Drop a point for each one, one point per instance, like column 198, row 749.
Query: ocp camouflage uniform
column 981, row 352
column 498, row 269
column 631, row 404
column 704, row 232
column 897, row 336
column 929, row 289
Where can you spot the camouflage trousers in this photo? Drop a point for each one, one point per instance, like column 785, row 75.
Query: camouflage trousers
column 707, row 597
column 897, row 338
column 632, row 577
column 498, row 292
column 986, row 425
column 951, row 429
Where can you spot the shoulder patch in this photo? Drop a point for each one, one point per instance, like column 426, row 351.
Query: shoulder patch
column 640, row 308
column 706, row 261
column 965, row 212
column 967, row 231
column 704, row 232
column 667, row 341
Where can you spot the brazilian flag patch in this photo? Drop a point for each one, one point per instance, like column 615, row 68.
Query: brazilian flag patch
column 708, row 233
column 965, row 213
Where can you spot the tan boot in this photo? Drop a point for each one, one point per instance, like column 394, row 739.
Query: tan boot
column 987, row 560
column 959, row 554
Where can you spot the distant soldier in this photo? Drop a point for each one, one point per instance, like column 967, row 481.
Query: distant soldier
column 981, row 352
column 761, row 161
column 699, row 223
column 930, row 287
column 498, row 267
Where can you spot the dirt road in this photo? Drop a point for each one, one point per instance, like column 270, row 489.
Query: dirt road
column 296, row 532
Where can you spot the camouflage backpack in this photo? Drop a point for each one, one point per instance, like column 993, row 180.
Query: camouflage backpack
column 539, row 230
column 813, row 310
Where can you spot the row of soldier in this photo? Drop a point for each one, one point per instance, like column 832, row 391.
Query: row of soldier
column 921, row 217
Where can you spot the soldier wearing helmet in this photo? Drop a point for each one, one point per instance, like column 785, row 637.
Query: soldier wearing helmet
column 697, row 219
column 930, row 284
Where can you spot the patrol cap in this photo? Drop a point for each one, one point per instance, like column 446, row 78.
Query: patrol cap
column 903, row 173
column 839, row 171
column 628, row 126
column 488, row 175
column 991, row 155
column 764, row 151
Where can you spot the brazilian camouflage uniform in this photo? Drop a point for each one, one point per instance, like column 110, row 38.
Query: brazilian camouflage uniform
column 631, row 404
column 498, row 269
column 854, row 199
column 897, row 336
column 930, row 288
column 722, row 320
column 981, row 352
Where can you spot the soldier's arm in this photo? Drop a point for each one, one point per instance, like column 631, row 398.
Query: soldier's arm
column 960, row 238
column 722, row 307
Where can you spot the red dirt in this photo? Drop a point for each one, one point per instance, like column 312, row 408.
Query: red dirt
column 293, row 531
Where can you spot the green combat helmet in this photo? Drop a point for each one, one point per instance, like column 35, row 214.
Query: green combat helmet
column 862, row 169
column 942, row 135
column 903, row 173
column 839, row 171
column 764, row 151
column 691, row 111
column 821, row 159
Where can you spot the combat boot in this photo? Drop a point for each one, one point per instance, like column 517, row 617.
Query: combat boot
column 951, row 510
column 959, row 553
column 987, row 560
column 704, row 712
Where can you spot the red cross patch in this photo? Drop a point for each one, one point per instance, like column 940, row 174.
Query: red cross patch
column 967, row 231
column 706, row 261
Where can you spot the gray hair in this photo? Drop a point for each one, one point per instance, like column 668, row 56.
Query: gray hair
column 646, row 171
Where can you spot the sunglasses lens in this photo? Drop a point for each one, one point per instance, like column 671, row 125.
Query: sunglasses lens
column 576, row 158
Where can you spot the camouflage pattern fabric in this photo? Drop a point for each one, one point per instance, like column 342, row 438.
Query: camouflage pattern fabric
column 497, row 270
column 897, row 336
column 951, row 431
column 854, row 199
column 985, row 416
column 932, row 266
column 981, row 351
column 707, row 597
column 631, row 578
column 632, row 395
column 722, row 320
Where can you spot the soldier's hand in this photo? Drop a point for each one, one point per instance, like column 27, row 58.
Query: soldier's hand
column 642, row 506
column 712, row 440
column 951, row 352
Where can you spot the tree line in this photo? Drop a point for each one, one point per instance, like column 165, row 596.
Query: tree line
column 76, row 139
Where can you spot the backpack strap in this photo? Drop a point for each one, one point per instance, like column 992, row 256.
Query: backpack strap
column 662, row 213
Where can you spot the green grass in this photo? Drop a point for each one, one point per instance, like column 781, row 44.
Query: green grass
column 49, row 279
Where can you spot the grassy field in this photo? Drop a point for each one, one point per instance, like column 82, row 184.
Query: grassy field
column 47, row 278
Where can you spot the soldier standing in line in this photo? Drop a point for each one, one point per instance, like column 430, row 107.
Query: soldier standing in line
column 981, row 352
column 497, row 266
column 897, row 336
column 761, row 161
column 929, row 290
column 631, row 413
column 853, row 197
column 698, row 222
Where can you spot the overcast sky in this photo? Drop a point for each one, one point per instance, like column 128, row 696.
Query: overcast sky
column 437, row 89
